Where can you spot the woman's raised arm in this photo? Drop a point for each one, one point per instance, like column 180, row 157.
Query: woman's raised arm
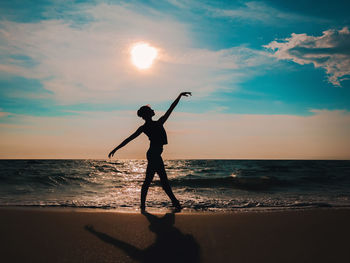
column 172, row 106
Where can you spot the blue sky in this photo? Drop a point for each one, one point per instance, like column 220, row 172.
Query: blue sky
column 67, row 59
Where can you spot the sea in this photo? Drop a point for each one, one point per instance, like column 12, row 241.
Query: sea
column 200, row 185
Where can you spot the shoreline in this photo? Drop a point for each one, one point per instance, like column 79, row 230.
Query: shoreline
column 75, row 235
column 169, row 210
column 180, row 159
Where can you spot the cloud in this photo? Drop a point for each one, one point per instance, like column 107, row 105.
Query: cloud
column 322, row 135
column 3, row 114
column 252, row 11
column 239, row 57
column 90, row 62
column 330, row 51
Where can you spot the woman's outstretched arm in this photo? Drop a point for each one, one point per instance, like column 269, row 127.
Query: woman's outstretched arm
column 172, row 106
column 126, row 141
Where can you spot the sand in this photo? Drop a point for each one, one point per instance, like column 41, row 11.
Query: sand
column 76, row 235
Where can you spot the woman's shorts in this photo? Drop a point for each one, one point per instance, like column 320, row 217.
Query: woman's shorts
column 153, row 153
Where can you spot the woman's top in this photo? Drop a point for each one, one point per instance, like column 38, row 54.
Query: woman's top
column 156, row 133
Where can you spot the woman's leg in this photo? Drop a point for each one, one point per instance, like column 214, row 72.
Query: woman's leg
column 165, row 183
column 150, row 171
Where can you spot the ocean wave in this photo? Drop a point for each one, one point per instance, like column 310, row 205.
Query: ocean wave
column 251, row 183
column 200, row 184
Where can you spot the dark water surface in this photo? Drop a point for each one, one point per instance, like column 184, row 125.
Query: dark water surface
column 214, row 185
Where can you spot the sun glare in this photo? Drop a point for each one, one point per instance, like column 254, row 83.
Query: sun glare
column 143, row 55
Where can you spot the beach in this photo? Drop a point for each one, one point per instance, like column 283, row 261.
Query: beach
column 95, row 235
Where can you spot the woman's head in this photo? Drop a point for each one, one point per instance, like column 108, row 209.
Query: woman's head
column 145, row 112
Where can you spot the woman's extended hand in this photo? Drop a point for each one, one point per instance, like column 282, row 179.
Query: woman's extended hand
column 186, row 94
column 111, row 153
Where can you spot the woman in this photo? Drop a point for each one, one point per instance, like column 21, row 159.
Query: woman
column 157, row 136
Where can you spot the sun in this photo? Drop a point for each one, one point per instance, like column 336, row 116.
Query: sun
column 143, row 55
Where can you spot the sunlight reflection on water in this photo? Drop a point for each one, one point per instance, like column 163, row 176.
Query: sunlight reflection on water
column 198, row 184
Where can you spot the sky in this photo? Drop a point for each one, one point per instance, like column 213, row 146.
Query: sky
column 270, row 79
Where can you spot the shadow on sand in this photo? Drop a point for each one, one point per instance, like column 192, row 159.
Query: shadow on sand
column 170, row 245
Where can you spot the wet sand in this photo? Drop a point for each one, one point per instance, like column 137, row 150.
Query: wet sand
column 77, row 235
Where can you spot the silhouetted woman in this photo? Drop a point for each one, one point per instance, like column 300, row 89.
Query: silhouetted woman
column 157, row 136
